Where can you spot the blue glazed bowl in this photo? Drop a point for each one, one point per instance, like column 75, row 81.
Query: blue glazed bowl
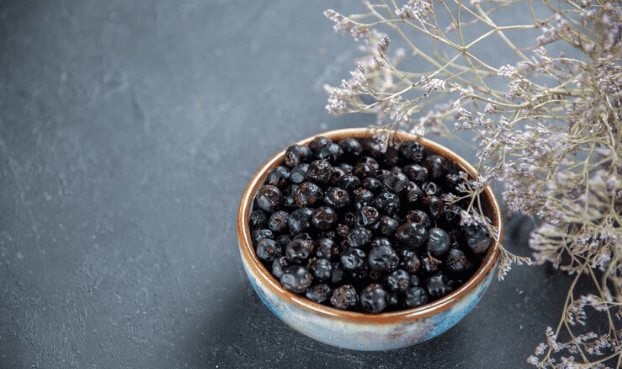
column 359, row 331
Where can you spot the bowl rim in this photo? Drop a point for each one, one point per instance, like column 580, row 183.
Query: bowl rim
column 422, row 312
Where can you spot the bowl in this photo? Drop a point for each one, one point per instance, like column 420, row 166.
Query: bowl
column 361, row 331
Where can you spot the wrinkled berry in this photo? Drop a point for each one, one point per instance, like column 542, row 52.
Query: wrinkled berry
column 336, row 197
column 297, row 279
column 362, row 197
column 279, row 265
column 349, row 183
column 268, row 250
column 395, row 182
column 438, row 242
column 372, row 184
column 353, row 259
column 320, row 269
column 288, row 200
column 419, row 216
column 409, row 261
column 299, row 250
column 278, row 177
column 297, row 154
column 319, row 172
column 278, row 221
column 331, row 152
column 416, row 173
column 383, row 259
column 437, row 286
column 373, row 298
column 477, row 238
column 324, row 218
column 411, row 234
column 414, row 297
column 398, row 280
column 308, row 193
column 319, row 293
column 437, row 166
column 387, row 202
column 387, row 225
column 326, row 248
column 412, row 151
column 455, row 262
column 365, row 216
column 299, row 220
column 268, row 198
column 431, row 189
column 344, row 297
column 358, row 237
column 260, row 234
column 258, row 218
column 298, row 173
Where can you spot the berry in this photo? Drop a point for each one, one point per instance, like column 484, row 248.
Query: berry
column 435, row 206
column 431, row 189
column 297, row 154
column 307, row 194
column 351, row 147
column 299, row 250
column 283, row 240
column 258, row 218
column 372, row 184
column 362, row 197
column 429, row 264
column 414, row 297
column 319, row 293
column 349, row 183
column 336, row 176
column 412, row 151
column 297, row 279
column 324, row 218
column 298, row 173
column 414, row 194
column 366, row 216
column 344, row 297
column 438, row 242
column 411, row 234
column 268, row 198
column 363, row 170
column 353, row 259
column 395, row 182
column 278, row 177
column 409, row 261
column 437, row 166
column 331, row 152
column 279, row 265
column 477, row 238
column 268, row 250
column 387, row 202
column 387, row 225
column 319, row 172
column 318, row 143
column 278, row 221
column 358, row 237
column 419, row 216
column 299, row 220
column 383, row 259
column 437, row 286
column 416, row 173
column 320, row 269
column 373, row 298
column 326, row 248
column 288, row 200
column 455, row 262
column 398, row 280
column 336, row 197
column 260, row 234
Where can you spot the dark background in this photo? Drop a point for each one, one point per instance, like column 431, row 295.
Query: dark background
column 128, row 132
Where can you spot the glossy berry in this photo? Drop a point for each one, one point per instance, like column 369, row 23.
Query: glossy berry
column 429, row 265
column 318, row 143
column 437, row 286
column 331, row 152
column 383, row 259
column 297, row 154
column 358, row 237
column 372, row 184
column 336, row 197
column 387, row 226
column 336, row 176
column 387, row 202
column 353, row 259
column 431, row 189
column 416, row 173
column 319, row 172
column 268, row 198
column 324, row 218
column 414, row 297
column 362, row 197
column 326, row 248
column 279, row 265
column 299, row 250
column 395, row 182
column 297, row 279
column 298, row 173
column 437, row 166
column 283, row 240
column 438, row 242
column 373, row 298
column 299, row 220
column 260, row 234
column 278, row 221
column 278, row 177
column 349, row 183
column 415, row 281
column 434, row 206
column 319, row 293
column 398, row 281
column 419, row 216
column 320, row 268
column 455, row 262
column 363, row 170
column 366, row 216
column 337, row 273
column 409, row 261
column 258, row 218
column 477, row 238
column 344, row 297
column 288, row 200
column 414, row 195
column 411, row 234
column 351, row 147
column 308, row 193
column 412, row 151
column 268, row 250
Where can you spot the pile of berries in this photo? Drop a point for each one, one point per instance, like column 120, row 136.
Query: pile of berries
column 350, row 226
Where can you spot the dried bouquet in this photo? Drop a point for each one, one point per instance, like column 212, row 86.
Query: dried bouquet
column 546, row 123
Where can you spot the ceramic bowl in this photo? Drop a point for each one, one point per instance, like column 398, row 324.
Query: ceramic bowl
column 360, row 331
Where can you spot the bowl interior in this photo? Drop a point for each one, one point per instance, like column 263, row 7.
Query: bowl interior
column 489, row 204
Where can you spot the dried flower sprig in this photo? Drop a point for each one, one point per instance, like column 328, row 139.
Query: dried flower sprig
column 547, row 126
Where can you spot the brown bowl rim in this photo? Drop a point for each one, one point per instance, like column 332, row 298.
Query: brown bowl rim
column 422, row 312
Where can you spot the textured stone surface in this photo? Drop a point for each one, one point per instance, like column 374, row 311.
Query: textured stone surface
column 128, row 131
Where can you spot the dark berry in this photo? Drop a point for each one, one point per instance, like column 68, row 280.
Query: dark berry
column 278, row 177
column 297, row 279
column 336, row 197
column 414, row 195
column 387, row 202
column 435, row 206
column 391, row 157
column 324, row 218
column 431, row 189
column 297, row 154
column 382, row 174
column 383, row 259
column 268, row 250
column 363, row 170
column 438, row 242
column 308, row 193
column 319, row 172
column 335, row 177
column 372, row 184
column 398, row 281
column 362, row 197
column 395, row 182
column 326, row 248
column 373, row 298
column 260, row 234
column 258, row 218
column 344, row 297
column 298, row 173
column 477, row 238
column 365, row 216
column 279, row 266
column 358, row 237
column 414, row 297
column 283, row 240
column 411, row 234
column 437, row 286
column 419, row 216
column 409, row 261
column 303, row 236
column 268, row 198
column 319, row 293
column 278, row 221
column 429, row 264
column 415, row 281
column 349, row 183
column 437, row 166
column 387, row 225
column 453, row 214
column 353, row 259
column 412, row 151
column 337, row 273
column 288, row 200
column 299, row 250
column 318, row 143
column 331, row 152
column 320, row 269
column 455, row 262
column 416, row 173
column 347, row 168
column 351, row 147
column 299, row 220
column 342, row 230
